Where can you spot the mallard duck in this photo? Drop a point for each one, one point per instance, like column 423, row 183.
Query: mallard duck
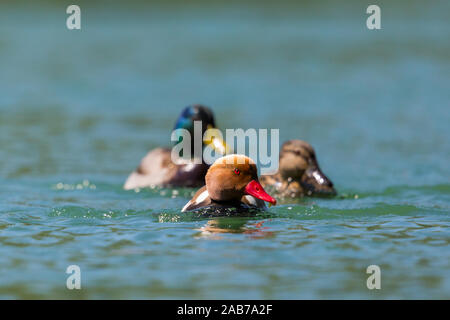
column 157, row 168
column 299, row 173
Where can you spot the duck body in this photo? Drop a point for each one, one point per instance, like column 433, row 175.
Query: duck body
column 299, row 173
column 157, row 167
column 232, row 186
column 203, row 203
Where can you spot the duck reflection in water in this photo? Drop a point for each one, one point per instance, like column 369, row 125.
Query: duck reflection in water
column 214, row 227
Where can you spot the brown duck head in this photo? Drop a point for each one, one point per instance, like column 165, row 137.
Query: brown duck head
column 298, row 163
column 232, row 177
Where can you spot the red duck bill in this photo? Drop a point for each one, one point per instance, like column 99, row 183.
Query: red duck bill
column 255, row 189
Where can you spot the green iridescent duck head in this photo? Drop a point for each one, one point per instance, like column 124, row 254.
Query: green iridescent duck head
column 205, row 116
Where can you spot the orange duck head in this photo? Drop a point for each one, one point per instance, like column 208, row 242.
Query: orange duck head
column 232, row 177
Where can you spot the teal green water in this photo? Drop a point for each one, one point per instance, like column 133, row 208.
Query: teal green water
column 80, row 108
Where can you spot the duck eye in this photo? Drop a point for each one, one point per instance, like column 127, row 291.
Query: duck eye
column 236, row 171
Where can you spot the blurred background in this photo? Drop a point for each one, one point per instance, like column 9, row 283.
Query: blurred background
column 80, row 108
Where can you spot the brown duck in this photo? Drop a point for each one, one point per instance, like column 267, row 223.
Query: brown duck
column 299, row 173
column 231, row 182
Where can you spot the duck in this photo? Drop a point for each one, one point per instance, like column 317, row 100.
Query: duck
column 230, row 183
column 299, row 173
column 157, row 167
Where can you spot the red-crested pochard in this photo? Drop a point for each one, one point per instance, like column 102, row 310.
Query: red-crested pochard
column 231, row 182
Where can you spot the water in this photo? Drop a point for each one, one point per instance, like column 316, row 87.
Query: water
column 79, row 110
